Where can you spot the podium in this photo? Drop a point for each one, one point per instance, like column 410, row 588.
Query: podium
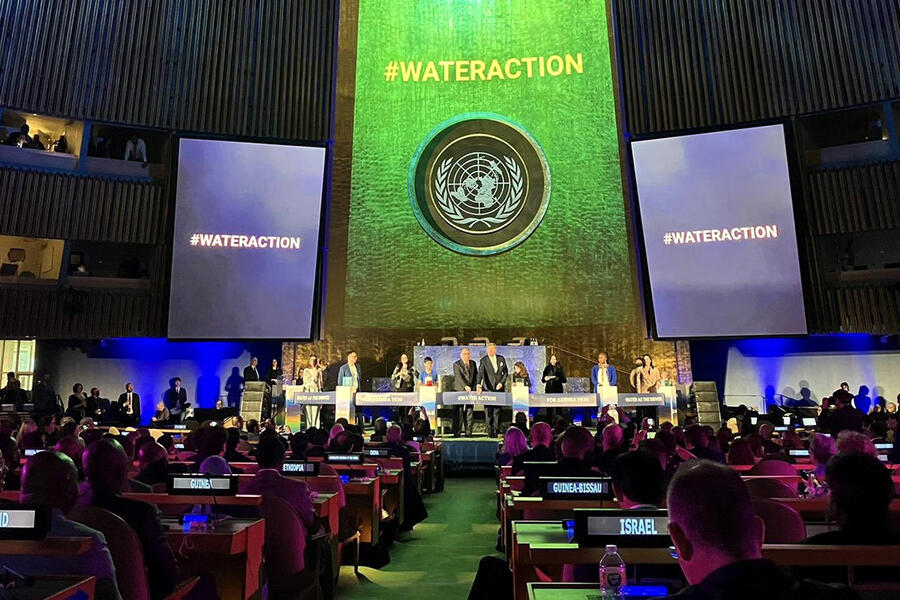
column 343, row 403
column 252, row 400
column 298, row 400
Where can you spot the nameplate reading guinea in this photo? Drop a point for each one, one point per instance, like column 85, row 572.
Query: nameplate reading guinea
column 576, row 488
column 202, row 485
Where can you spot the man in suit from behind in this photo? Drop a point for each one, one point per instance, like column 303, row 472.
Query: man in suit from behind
column 251, row 373
column 465, row 379
column 492, row 376
column 129, row 406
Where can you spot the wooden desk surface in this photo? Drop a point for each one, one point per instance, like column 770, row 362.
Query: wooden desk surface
column 50, row 546
column 232, row 553
column 327, row 507
column 163, row 499
column 56, row 587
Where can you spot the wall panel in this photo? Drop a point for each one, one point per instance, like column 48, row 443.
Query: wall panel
column 259, row 68
column 704, row 63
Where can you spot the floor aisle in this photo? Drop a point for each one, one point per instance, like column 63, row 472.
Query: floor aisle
column 439, row 558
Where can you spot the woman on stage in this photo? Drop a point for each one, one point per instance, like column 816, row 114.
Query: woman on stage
column 637, row 376
column 312, row 383
column 652, row 375
column 520, row 375
column 554, row 377
column 403, row 379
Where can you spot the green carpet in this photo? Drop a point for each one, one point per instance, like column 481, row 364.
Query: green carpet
column 439, row 558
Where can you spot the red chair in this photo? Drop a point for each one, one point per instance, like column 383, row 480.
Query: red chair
column 772, row 467
column 784, row 525
column 127, row 554
column 285, row 550
column 770, row 488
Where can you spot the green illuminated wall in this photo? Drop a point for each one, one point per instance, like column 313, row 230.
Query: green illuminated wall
column 575, row 268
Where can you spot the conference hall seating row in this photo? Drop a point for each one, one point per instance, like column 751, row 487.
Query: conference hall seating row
column 239, row 552
column 538, row 545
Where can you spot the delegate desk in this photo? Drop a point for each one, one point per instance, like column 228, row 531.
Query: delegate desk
column 232, row 552
column 538, row 544
column 48, row 547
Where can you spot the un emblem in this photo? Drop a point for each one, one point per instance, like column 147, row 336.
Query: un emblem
column 479, row 184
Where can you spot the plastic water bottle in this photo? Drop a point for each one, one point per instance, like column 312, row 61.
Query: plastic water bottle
column 612, row 574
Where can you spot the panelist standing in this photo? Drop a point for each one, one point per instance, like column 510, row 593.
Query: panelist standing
column 553, row 378
column 465, row 379
column 492, row 376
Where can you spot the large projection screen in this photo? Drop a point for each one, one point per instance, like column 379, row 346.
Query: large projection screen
column 719, row 236
column 246, row 241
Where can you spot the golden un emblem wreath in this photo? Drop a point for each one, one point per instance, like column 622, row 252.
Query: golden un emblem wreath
column 479, row 184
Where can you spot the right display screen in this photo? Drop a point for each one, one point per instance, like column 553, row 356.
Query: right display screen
column 719, row 235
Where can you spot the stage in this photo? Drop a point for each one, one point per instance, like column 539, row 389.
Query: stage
column 469, row 454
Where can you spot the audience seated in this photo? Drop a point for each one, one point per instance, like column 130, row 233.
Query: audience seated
column 521, row 421
column 514, row 444
column 380, row 430
column 612, row 444
column 853, row 441
column 719, row 539
column 268, row 480
column 638, row 480
column 575, row 447
column 696, row 442
column 861, row 492
column 153, row 461
column 740, row 453
column 821, row 448
column 106, row 470
column 232, row 440
column 541, row 448
column 414, row 507
column 50, row 478
column 72, row 446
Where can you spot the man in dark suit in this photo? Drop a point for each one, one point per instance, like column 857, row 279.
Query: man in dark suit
column 465, row 379
column 845, row 416
column 130, row 406
column 175, row 400
column 250, row 372
column 106, row 470
column 492, row 376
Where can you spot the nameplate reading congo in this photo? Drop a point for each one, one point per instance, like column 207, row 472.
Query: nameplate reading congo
column 344, row 459
column 307, row 469
column 387, row 399
column 202, row 485
column 25, row 524
column 576, row 488
column 646, row 528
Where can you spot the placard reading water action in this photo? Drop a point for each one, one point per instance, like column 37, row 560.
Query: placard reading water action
column 718, row 226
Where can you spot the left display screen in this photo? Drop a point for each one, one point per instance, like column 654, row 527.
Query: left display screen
column 246, row 241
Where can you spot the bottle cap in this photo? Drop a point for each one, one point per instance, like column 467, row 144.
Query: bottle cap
column 612, row 548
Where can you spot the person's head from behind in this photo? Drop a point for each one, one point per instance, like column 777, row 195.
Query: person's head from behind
column 232, row 438
column 269, row 452
column 541, row 435
column 252, row 426
column 72, row 446
column 152, row 453
column 740, row 453
column 521, row 419
column 853, row 441
column 695, row 437
column 711, row 519
column 638, row 478
column 861, row 492
column 380, row 426
column 298, row 446
column 394, row 435
column 613, row 436
column 766, row 430
column 576, row 442
column 105, row 466
column 211, row 440
column 214, row 465
column 842, row 397
column 341, row 442
column 514, row 442
column 317, row 437
column 50, row 478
